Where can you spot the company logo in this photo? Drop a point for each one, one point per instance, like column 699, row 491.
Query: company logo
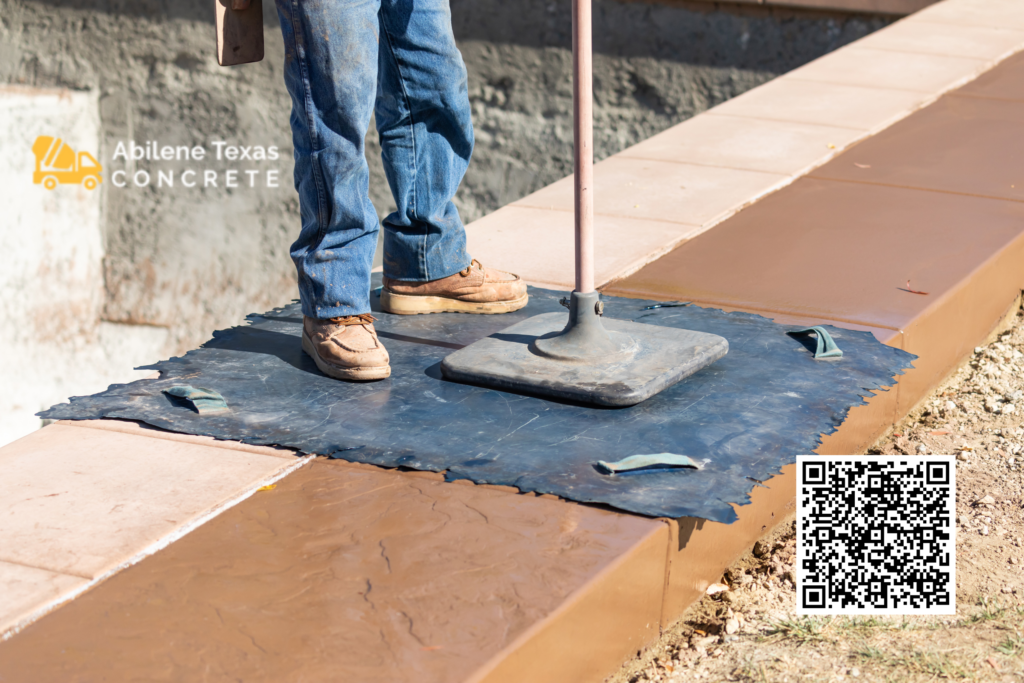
column 57, row 163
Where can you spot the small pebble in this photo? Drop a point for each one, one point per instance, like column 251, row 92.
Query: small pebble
column 855, row 672
column 704, row 643
column 987, row 500
column 963, row 456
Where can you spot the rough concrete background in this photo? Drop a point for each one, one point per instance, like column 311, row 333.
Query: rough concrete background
column 196, row 260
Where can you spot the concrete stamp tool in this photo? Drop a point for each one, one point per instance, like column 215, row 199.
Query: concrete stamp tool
column 588, row 360
column 239, row 31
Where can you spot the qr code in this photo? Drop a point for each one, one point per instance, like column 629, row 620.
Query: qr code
column 876, row 535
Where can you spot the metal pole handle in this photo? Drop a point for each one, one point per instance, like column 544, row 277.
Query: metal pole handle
column 583, row 134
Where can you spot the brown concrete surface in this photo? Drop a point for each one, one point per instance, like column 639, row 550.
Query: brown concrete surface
column 836, row 251
column 358, row 574
column 1004, row 83
column 937, row 199
column 959, row 145
column 616, row 615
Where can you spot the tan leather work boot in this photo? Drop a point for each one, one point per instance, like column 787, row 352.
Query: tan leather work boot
column 346, row 348
column 474, row 290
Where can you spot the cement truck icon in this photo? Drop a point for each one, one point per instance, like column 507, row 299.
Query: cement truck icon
column 58, row 163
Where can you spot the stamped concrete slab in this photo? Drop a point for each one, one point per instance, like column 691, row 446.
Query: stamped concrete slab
column 657, row 190
column 1003, row 83
column 82, row 501
column 24, row 590
column 863, row 66
column 713, row 139
column 959, row 144
column 354, row 573
column 539, row 244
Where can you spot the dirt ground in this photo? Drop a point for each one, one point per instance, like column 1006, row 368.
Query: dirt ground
column 752, row 633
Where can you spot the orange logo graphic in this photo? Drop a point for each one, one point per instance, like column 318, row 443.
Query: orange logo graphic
column 58, row 163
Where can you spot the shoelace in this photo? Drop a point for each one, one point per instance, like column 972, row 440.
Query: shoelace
column 472, row 263
column 362, row 319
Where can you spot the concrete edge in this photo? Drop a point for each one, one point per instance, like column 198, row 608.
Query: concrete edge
column 633, row 586
column 138, row 429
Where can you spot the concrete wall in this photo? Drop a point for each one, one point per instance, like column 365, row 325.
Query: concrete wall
column 53, row 341
column 185, row 261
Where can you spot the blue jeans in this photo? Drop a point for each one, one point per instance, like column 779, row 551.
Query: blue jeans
column 345, row 60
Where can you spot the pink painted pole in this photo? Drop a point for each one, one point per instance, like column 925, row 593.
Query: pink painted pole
column 583, row 133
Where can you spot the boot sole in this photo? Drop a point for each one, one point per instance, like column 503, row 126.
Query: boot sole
column 338, row 372
column 405, row 304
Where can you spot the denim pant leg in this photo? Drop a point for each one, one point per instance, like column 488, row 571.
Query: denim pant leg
column 331, row 73
column 426, row 136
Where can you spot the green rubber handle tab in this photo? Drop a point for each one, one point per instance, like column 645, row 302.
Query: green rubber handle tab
column 658, row 462
column 826, row 345
column 205, row 401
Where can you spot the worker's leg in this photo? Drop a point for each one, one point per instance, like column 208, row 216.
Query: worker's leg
column 426, row 137
column 331, row 73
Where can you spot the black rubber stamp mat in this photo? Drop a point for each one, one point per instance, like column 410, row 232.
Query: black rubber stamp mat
column 745, row 416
